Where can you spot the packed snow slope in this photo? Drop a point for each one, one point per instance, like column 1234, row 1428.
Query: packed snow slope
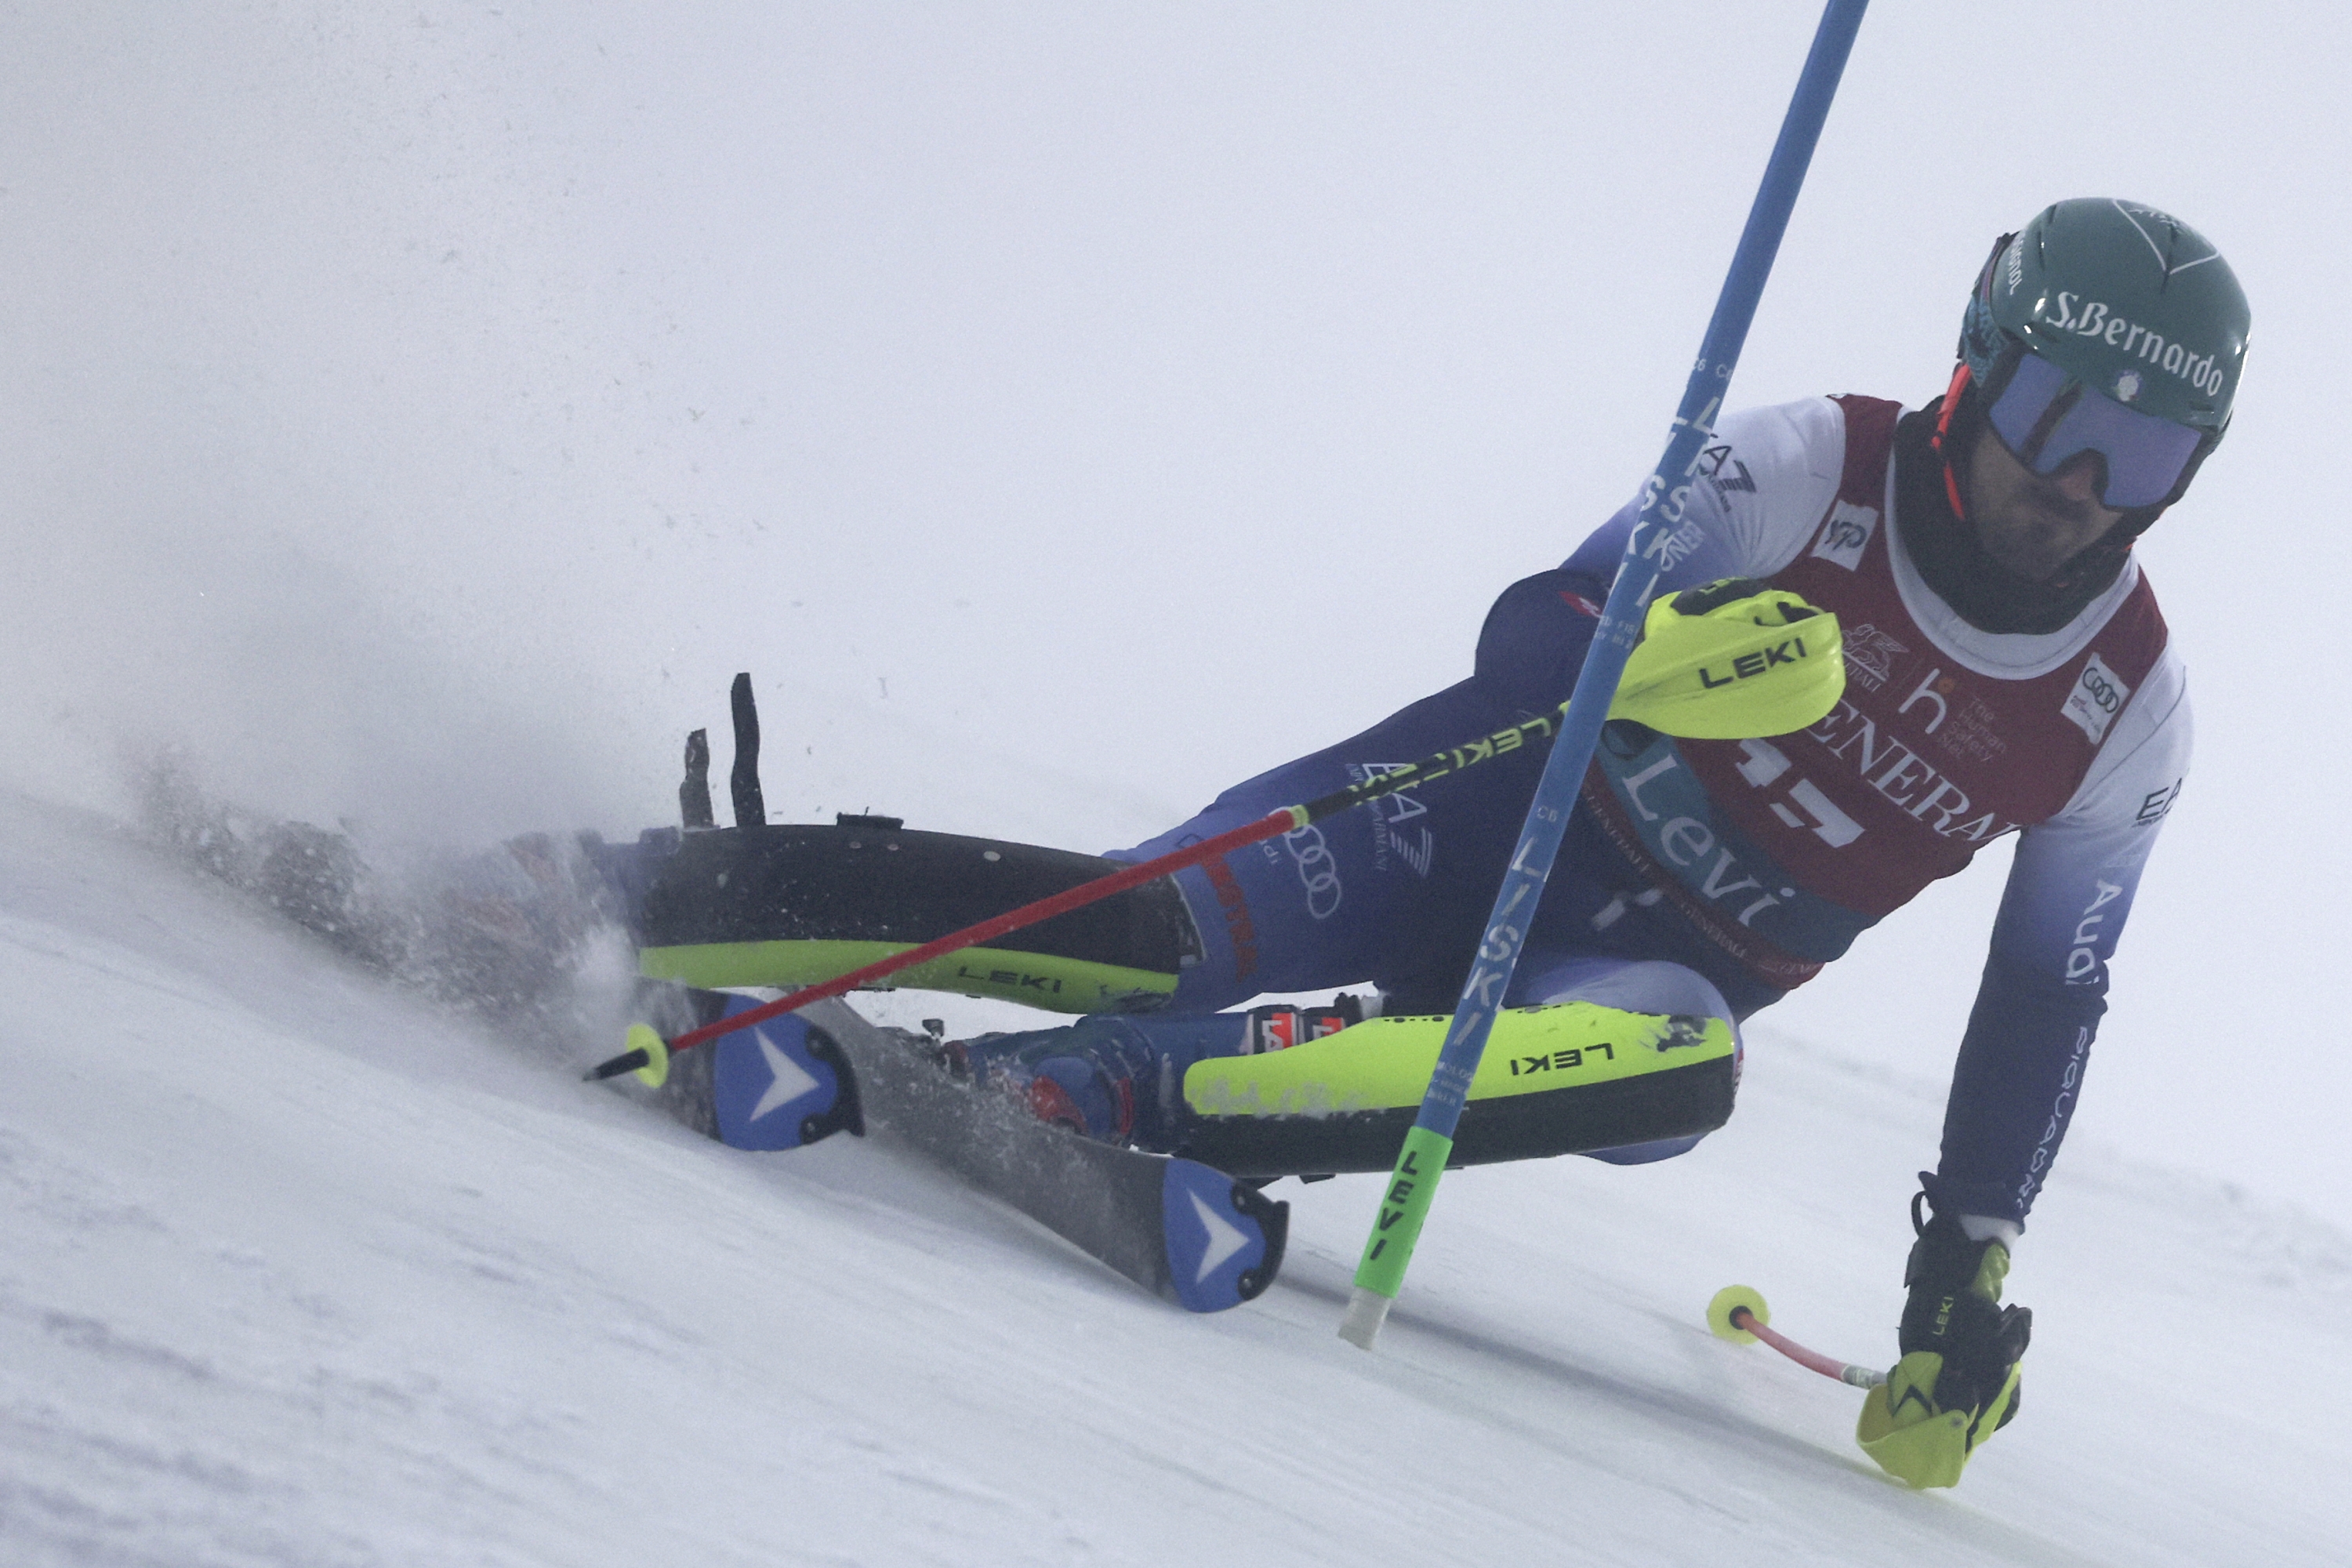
column 295, row 1267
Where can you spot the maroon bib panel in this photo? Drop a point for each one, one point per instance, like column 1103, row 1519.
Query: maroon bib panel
column 1921, row 762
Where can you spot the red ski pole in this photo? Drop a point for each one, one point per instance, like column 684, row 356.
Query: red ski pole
column 1739, row 1315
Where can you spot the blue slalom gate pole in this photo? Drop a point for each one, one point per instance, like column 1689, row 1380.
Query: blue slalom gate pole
column 1657, row 541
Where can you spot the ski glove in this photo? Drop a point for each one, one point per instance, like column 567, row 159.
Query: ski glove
column 1734, row 661
column 1958, row 1382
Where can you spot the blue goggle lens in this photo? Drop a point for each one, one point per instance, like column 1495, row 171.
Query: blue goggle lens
column 2045, row 418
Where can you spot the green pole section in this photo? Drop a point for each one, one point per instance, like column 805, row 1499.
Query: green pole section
column 1402, row 1208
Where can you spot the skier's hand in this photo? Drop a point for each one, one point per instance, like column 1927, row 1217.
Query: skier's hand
column 1734, row 661
column 1958, row 1382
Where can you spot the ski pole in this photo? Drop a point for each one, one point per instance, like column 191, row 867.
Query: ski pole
column 1660, row 536
column 1739, row 1315
column 647, row 1052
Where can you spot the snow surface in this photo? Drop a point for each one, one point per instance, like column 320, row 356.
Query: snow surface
column 1064, row 411
column 296, row 1268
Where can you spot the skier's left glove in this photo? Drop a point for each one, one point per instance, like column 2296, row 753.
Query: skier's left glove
column 1735, row 660
column 1958, row 1382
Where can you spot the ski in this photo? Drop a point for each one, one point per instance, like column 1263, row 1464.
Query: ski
column 1183, row 1230
column 495, row 932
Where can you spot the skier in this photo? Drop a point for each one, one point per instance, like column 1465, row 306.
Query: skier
column 2007, row 670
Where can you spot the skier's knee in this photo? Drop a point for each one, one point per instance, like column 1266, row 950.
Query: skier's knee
column 1638, row 985
column 1535, row 636
column 1632, row 984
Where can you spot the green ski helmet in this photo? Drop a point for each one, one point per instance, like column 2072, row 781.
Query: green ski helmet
column 2109, row 327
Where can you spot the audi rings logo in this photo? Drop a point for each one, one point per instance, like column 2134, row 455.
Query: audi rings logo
column 1317, row 870
column 2097, row 695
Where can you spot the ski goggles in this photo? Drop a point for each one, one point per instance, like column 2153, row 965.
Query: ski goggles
column 2046, row 418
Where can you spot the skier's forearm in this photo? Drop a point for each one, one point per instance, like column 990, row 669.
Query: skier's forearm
column 2020, row 1066
column 2014, row 1089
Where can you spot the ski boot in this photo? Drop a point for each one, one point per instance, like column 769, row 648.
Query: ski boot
column 1119, row 1078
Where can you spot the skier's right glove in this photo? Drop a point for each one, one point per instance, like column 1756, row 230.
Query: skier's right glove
column 1735, row 660
column 1958, row 1382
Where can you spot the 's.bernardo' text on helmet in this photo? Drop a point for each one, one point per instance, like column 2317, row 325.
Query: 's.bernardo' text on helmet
column 2092, row 318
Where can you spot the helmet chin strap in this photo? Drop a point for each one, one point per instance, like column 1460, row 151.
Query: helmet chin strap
column 1952, row 393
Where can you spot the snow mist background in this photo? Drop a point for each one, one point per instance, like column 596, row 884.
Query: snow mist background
column 1065, row 411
